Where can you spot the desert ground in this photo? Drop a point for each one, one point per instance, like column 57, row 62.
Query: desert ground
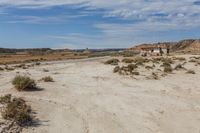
column 87, row 97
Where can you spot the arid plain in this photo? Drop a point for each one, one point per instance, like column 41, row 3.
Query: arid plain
column 87, row 97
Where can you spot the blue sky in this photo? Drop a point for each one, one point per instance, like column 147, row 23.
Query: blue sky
column 96, row 23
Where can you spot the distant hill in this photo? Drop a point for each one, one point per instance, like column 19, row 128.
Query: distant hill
column 10, row 50
column 190, row 45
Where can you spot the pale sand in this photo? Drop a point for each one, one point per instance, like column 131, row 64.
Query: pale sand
column 87, row 97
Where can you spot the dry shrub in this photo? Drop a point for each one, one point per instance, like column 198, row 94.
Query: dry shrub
column 179, row 67
column 5, row 99
column 140, row 61
column 155, row 76
column 198, row 63
column 1, row 69
column 168, row 69
column 194, row 57
column 179, row 58
column 112, row 62
column 116, row 69
column 37, row 63
column 9, row 68
column 47, row 79
column 135, row 73
column 127, row 60
column 45, row 70
column 165, row 64
column 126, row 70
column 20, row 65
column 16, row 110
column 190, row 72
column 22, row 83
column 193, row 60
column 131, row 67
column 149, row 67
column 156, row 60
column 167, row 60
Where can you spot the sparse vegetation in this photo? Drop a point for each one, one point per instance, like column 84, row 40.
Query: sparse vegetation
column 168, row 69
column 116, row 69
column 190, row 72
column 20, row 65
column 193, row 60
column 16, row 110
column 127, row 60
column 132, row 67
column 179, row 58
column 45, row 70
column 135, row 73
column 194, row 57
column 179, row 67
column 148, row 67
column 9, row 68
column 140, row 61
column 5, row 99
column 22, row 83
column 1, row 69
column 47, row 79
column 126, row 70
column 155, row 76
column 112, row 62
column 37, row 63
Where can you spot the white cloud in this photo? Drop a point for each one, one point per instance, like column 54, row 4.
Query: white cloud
column 126, row 9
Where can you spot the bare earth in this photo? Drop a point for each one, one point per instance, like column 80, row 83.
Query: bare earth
column 87, row 97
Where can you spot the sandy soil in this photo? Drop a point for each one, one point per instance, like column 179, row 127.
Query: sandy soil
column 87, row 97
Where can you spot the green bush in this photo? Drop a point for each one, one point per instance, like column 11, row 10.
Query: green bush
column 24, row 83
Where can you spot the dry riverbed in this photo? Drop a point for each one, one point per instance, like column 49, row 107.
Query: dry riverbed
column 87, row 97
